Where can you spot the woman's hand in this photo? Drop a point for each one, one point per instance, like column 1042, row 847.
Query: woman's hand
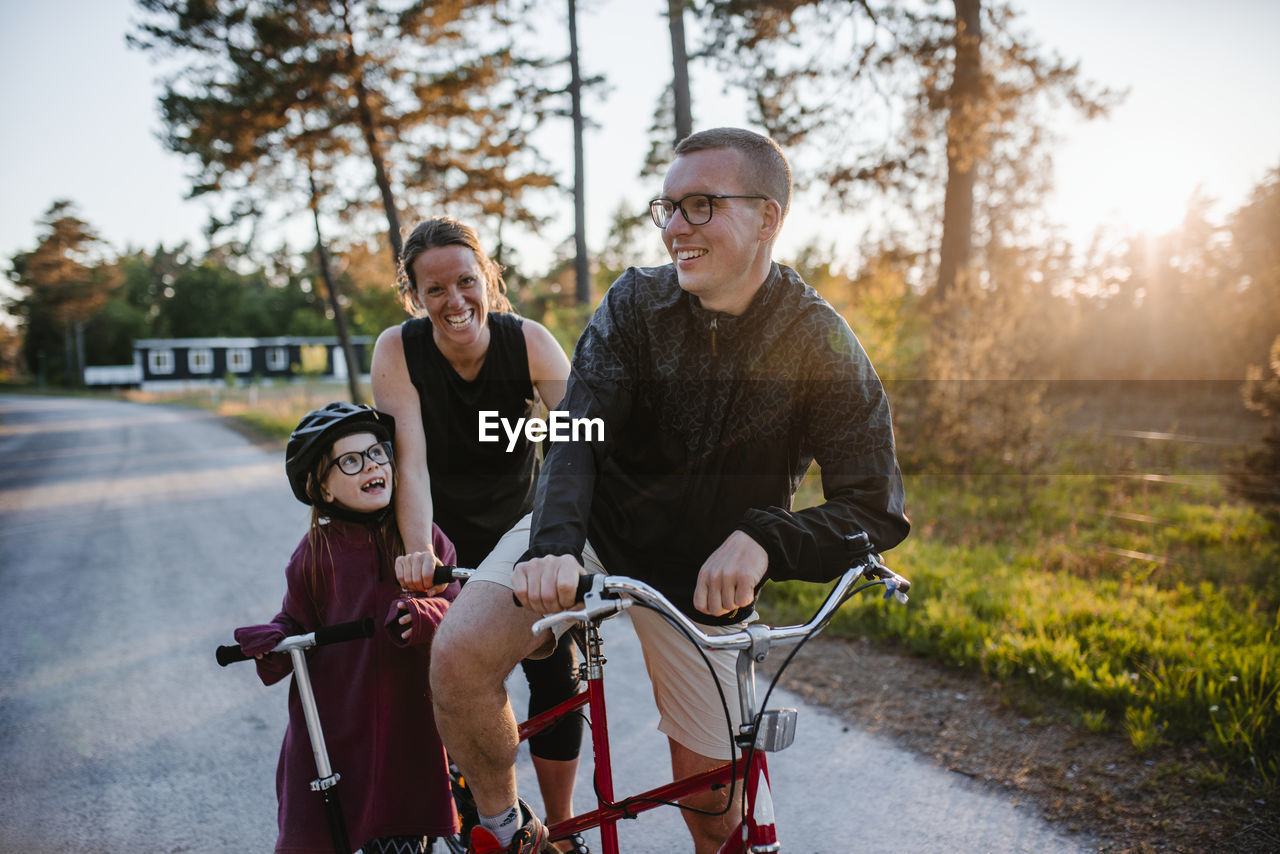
column 417, row 571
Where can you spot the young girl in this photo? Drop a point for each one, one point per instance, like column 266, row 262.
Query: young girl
column 372, row 694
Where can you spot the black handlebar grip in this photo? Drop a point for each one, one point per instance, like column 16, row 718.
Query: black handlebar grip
column 340, row 632
column 584, row 585
column 859, row 545
column 444, row 575
column 229, row 655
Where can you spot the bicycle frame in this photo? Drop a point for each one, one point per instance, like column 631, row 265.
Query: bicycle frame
column 757, row 836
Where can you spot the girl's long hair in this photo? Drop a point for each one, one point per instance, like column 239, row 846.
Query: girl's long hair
column 317, row 576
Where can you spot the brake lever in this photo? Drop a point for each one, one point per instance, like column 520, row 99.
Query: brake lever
column 892, row 589
column 595, row 604
column 895, row 586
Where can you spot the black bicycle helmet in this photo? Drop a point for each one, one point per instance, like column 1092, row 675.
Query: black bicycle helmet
column 318, row 430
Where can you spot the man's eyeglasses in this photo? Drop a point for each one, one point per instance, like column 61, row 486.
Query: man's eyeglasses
column 695, row 207
column 352, row 462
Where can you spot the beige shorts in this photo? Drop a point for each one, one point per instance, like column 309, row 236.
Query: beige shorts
column 690, row 707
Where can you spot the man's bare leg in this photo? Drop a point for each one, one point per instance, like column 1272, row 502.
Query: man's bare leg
column 482, row 637
column 708, row 831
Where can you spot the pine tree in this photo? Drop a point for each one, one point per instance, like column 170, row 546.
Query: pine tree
column 268, row 93
column 64, row 281
column 905, row 98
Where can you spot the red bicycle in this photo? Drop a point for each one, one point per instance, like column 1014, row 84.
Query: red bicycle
column 763, row 730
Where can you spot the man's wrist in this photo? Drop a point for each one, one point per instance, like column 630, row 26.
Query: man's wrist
column 757, row 533
column 550, row 550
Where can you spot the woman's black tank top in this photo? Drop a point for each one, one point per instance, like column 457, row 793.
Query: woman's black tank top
column 479, row 489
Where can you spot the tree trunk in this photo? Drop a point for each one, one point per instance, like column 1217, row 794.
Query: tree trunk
column 964, row 143
column 683, row 102
column 364, row 114
column 581, row 265
column 331, row 288
column 68, row 354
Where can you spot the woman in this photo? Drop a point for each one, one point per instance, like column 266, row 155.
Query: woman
column 463, row 353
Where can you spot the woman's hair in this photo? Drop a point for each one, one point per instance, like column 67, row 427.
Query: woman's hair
column 446, row 231
column 386, row 537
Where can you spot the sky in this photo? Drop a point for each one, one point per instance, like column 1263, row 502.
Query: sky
column 1201, row 113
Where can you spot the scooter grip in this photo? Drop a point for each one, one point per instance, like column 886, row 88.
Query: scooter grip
column 229, row 655
column 344, row 631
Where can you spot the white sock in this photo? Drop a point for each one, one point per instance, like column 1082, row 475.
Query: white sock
column 503, row 825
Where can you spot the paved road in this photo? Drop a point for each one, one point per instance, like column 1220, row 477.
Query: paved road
column 133, row 538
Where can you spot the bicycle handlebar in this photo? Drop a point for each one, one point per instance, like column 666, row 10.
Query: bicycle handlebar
column 337, row 633
column 445, row 574
column 609, row 594
column 604, row 595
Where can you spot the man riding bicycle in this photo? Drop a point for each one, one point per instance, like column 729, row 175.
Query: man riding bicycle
column 719, row 378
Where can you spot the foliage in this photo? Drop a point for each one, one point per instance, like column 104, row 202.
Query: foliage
column 181, row 297
column 1018, row 578
column 367, row 282
column 820, row 74
column 64, row 283
column 169, row 294
column 1200, row 302
column 274, row 99
column 630, row 242
column 970, row 406
column 10, row 354
column 1258, row 479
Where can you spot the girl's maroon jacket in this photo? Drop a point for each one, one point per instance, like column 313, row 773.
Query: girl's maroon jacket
column 373, row 697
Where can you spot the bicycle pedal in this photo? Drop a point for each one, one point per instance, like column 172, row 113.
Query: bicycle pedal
column 777, row 729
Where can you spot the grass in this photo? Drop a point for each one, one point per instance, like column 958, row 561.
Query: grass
column 1147, row 606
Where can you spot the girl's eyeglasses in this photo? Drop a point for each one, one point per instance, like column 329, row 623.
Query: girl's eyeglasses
column 352, row 462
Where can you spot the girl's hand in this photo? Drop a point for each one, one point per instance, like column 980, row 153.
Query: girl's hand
column 406, row 620
column 417, row 570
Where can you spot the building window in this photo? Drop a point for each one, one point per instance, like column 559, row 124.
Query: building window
column 314, row 358
column 278, row 359
column 239, row 360
column 160, row 361
column 200, row 361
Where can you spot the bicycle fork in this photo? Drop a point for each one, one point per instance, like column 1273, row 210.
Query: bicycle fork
column 770, row 731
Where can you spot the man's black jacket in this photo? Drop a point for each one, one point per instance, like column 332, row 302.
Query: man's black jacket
column 710, row 422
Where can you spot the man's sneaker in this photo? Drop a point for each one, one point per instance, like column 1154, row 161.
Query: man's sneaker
column 531, row 838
